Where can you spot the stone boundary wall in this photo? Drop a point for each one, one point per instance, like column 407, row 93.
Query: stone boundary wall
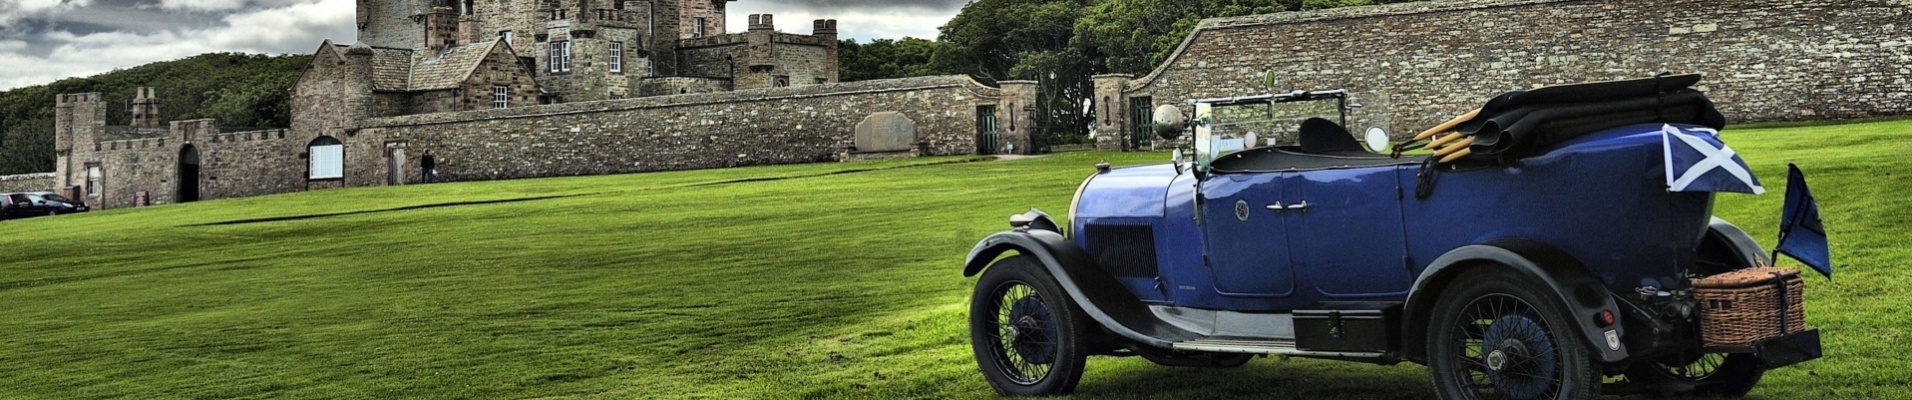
column 45, row 181
column 1413, row 65
column 750, row 127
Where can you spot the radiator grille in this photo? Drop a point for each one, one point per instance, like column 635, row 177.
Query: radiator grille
column 1126, row 250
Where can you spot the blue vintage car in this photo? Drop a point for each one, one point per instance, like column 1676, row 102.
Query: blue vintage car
column 1532, row 248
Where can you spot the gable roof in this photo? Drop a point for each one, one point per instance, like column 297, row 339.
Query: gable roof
column 425, row 70
column 448, row 69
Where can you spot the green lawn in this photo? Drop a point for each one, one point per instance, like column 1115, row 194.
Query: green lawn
column 839, row 280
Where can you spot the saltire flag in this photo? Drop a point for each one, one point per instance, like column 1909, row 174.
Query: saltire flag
column 1801, row 235
column 1696, row 161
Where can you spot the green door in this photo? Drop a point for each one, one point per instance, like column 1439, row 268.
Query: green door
column 986, row 130
column 1143, row 119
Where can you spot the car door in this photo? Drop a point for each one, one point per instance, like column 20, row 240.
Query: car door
column 1247, row 246
column 1346, row 232
column 39, row 205
column 16, row 206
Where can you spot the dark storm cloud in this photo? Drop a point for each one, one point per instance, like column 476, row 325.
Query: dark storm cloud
column 46, row 40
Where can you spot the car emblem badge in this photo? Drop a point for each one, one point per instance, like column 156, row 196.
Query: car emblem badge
column 1241, row 210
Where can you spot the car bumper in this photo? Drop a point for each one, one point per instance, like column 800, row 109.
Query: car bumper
column 1789, row 349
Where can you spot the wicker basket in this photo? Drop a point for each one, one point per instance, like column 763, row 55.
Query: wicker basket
column 1745, row 306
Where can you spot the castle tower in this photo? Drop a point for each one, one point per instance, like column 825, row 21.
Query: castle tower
column 77, row 121
column 826, row 29
column 391, row 23
column 700, row 18
column 145, row 108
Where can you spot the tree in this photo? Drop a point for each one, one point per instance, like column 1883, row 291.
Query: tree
column 887, row 59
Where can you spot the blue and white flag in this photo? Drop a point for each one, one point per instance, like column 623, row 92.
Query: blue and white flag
column 1801, row 235
column 1696, row 161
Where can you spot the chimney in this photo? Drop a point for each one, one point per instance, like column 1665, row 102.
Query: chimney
column 761, row 22
column 441, row 28
column 145, row 108
column 823, row 27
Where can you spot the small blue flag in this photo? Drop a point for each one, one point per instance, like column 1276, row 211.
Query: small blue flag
column 1696, row 161
column 1801, row 235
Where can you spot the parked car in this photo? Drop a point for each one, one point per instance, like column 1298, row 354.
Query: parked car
column 1533, row 251
column 54, row 204
column 37, row 204
column 17, row 205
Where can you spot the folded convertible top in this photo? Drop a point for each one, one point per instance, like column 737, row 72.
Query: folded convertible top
column 1514, row 124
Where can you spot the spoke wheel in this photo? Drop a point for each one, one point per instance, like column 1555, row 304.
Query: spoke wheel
column 1698, row 374
column 1496, row 337
column 1025, row 331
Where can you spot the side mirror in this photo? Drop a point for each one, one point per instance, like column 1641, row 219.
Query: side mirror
column 1169, row 122
column 1377, row 140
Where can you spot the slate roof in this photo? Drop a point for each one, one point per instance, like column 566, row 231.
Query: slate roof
column 446, row 70
column 391, row 68
column 423, row 70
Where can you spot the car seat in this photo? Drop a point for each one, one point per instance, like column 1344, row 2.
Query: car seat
column 1321, row 136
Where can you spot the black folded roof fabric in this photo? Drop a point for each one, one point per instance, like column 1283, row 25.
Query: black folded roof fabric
column 1514, row 124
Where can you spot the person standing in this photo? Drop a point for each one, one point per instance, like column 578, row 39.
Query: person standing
column 430, row 164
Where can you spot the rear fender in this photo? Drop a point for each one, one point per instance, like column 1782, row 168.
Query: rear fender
column 1744, row 251
column 1094, row 290
column 1579, row 292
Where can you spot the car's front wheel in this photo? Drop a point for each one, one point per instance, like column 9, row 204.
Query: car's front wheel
column 1496, row 336
column 1026, row 332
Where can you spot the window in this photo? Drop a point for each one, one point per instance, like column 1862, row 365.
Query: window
column 93, row 180
column 697, row 27
column 500, row 96
column 782, row 81
column 617, row 57
column 506, row 35
column 561, row 56
column 618, row 4
column 650, row 69
column 327, row 158
column 821, row 81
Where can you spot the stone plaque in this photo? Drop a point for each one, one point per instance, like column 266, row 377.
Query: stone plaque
column 885, row 131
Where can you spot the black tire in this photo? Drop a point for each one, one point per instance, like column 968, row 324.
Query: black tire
column 1026, row 332
column 1701, row 375
column 1532, row 354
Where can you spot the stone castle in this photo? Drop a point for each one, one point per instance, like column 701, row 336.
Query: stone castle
column 426, row 56
column 500, row 89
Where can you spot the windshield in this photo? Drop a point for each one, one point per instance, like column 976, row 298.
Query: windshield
column 1222, row 129
column 56, row 197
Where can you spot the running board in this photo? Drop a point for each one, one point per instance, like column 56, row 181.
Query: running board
column 1278, row 347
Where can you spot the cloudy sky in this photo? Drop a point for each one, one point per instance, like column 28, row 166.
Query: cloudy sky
column 43, row 41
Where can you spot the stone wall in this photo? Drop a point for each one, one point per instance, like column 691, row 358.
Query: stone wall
column 668, row 86
column 1413, row 65
column 148, row 169
column 45, row 181
column 749, row 127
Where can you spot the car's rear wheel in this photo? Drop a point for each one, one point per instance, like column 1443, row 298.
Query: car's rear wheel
column 1495, row 336
column 1025, row 331
column 1698, row 374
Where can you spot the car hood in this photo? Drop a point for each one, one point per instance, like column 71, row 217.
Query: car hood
column 1133, row 192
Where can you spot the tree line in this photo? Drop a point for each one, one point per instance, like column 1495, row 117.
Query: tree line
column 1058, row 43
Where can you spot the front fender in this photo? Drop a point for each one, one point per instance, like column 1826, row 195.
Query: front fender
column 1091, row 287
column 1579, row 292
